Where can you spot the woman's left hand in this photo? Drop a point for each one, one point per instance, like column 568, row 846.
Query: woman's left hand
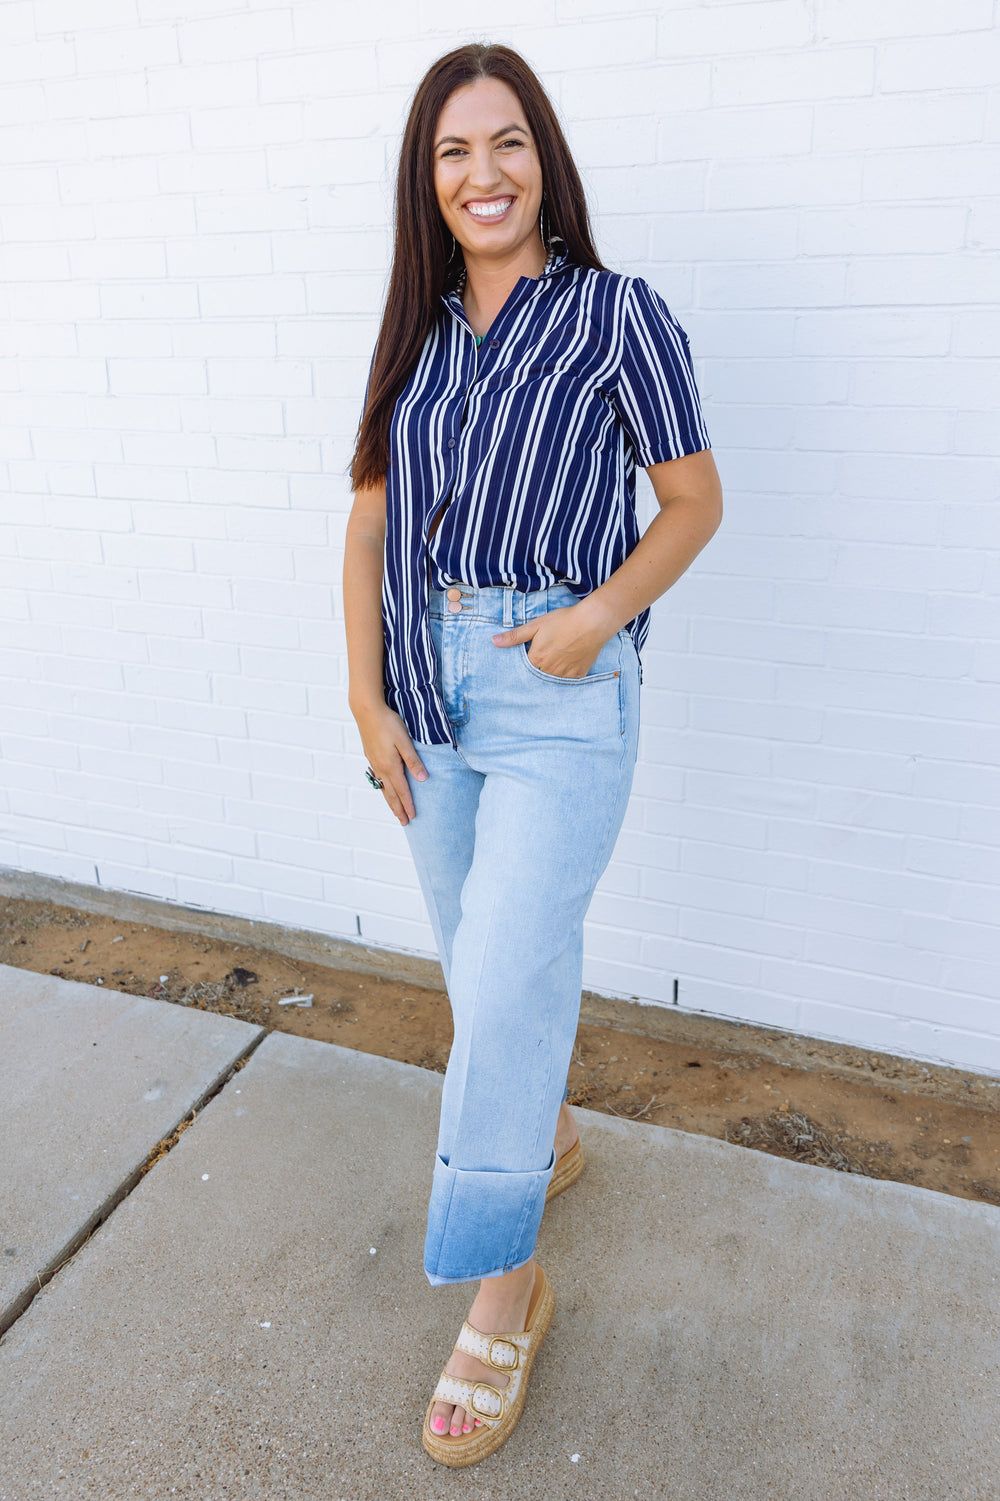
column 565, row 643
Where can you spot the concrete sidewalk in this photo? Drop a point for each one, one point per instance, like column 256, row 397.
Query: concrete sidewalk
column 251, row 1320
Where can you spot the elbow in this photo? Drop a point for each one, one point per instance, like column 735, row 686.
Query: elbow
column 710, row 510
column 716, row 512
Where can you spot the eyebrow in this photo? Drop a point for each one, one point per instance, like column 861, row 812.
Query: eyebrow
column 461, row 141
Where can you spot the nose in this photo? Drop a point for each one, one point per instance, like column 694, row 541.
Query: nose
column 484, row 172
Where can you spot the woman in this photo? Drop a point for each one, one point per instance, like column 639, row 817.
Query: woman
column 496, row 597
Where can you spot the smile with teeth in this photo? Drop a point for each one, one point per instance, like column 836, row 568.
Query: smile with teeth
column 489, row 210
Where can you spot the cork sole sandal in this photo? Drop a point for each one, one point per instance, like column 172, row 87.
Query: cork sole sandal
column 497, row 1408
column 567, row 1169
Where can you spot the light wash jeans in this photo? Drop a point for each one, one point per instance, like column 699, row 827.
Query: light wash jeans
column 512, row 833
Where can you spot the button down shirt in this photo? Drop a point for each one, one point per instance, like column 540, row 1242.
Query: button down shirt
column 526, row 450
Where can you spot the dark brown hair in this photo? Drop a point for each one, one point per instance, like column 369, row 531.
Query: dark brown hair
column 422, row 250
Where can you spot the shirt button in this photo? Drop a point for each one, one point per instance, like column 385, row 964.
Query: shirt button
column 451, row 442
column 494, row 343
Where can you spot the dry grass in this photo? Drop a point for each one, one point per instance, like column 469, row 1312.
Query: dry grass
column 789, row 1133
column 163, row 1146
column 636, row 1111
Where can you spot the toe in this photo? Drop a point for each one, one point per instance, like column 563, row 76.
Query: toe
column 441, row 1418
column 458, row 1422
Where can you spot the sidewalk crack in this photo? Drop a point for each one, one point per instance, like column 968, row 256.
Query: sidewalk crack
column 79, row 1238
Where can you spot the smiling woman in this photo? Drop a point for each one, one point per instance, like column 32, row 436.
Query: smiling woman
column 496, row 596
column 488, row 181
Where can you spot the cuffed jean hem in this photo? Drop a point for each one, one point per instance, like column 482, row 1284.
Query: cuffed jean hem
column 500, row 1271
column 472, row 1213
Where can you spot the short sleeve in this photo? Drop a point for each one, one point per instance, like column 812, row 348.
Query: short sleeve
column 656, row 396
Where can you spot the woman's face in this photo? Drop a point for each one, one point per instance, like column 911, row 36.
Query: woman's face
column 487, row 175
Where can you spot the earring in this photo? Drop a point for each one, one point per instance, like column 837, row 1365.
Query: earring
column 543, row 224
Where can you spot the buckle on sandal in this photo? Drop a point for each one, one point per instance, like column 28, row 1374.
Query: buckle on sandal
column 510, row 1354
column 495, row 1410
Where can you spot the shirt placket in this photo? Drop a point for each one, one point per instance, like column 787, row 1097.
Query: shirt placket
column 482, row 360
column 476, row 365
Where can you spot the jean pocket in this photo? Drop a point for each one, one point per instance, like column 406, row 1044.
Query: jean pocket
column 598, row 673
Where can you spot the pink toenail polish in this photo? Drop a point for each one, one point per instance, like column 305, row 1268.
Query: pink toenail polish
column 439, row 1424
column 466, row 1428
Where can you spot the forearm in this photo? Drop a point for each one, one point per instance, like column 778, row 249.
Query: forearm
column 384, row 736
column 566, row 643
column 668, row 547
column 363, row 563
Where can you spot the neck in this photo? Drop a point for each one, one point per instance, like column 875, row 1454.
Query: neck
column 490, row 281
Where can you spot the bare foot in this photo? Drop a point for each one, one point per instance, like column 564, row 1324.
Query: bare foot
column 500, row 1307
column 566, row 1133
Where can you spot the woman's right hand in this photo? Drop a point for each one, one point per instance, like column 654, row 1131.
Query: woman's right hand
column 390, row 752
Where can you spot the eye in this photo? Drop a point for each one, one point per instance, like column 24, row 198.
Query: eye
column 512, row 142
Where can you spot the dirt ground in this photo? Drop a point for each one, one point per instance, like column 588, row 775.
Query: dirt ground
column 902, row 1123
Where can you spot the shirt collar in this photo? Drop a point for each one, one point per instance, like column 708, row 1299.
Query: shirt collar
column 558, row 257
column 558, row 260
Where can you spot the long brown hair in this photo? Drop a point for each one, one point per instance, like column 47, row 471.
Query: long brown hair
column 422, row 251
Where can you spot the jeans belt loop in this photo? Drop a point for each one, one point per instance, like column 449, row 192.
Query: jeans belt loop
column 508, row 608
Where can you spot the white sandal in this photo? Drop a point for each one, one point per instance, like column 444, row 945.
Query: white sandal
column 497, row 1408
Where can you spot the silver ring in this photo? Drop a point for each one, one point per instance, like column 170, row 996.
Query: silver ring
column 372, row 779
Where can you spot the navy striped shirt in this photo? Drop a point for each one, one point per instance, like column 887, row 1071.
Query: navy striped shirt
column 527, row 447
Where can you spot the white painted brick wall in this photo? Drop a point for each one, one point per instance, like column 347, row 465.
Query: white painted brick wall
column 194, row 198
